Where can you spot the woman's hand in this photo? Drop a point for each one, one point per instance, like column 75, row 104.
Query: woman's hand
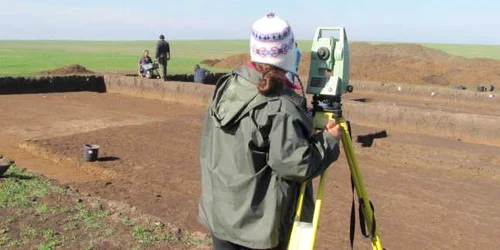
column 333, row 128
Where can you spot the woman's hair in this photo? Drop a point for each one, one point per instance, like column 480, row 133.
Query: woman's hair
column 273, row 79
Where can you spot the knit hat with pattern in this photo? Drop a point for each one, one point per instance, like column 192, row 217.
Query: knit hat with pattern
column 272, row 42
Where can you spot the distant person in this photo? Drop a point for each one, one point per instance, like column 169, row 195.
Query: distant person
column 297, row 60
column 289, row 75
column 200, row 74
column 145, row 63
column 163, row 55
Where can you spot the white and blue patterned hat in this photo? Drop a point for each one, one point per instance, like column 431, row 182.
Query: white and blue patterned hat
column 272, row 42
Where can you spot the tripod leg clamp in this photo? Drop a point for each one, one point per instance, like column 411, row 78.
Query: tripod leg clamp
column 321, row 118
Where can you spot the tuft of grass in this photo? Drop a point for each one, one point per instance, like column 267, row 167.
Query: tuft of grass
column 90, row 218
column 127, row 221
column 4, row 240
column 51, row 240
column 44, row 218
column 28, row 234
column 47, row 245
column 196, row 242
column 43, row 208
column 18, row 192
column 108, row 232
column 12, row 244
column 10, row 219
column 144, row 236
column 169, row 238
column 90, row 246
column 70, row 226
column 48, row 233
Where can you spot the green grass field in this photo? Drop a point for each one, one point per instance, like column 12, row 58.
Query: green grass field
column 469, row 51
column 31, row 57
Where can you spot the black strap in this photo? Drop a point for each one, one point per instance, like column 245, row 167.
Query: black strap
column 353, row 218
column 362, row 220
column 349, row 129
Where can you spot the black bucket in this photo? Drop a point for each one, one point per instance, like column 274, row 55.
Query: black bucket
column 90, row 152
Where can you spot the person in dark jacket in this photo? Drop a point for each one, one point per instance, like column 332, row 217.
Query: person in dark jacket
column 258, row 146
column 199, row 74
column 163, row 55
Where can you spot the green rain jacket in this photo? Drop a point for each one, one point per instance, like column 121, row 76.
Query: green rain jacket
column 255, row 151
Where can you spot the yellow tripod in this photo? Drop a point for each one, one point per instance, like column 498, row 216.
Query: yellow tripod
column 303, row 234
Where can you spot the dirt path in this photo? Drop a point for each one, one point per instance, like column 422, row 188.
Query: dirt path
column 429, row 192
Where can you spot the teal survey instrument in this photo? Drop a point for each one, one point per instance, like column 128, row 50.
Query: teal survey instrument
column 328, row 81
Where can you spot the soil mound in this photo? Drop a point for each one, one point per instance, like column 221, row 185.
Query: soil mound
column 233, row 61
column 408, row 63
column 418, row 64
column 74, row 69
column 210, row 62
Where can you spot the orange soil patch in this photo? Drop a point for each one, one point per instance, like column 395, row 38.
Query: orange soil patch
column 408, row 63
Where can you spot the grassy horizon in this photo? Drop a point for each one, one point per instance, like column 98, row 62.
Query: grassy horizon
column 29, row 57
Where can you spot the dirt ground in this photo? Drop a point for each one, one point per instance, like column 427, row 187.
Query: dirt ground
column 393, row 62
column 429, row 192
column 427, row 103
column 36, row 213
column 68, row 70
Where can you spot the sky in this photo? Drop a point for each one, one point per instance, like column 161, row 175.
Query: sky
column 436, row 21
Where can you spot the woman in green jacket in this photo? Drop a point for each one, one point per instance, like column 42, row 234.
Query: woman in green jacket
column 258, row 146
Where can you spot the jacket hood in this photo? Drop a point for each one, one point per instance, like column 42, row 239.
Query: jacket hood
column 232, row 98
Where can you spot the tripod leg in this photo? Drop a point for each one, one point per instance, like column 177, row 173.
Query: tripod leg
column 317, row 205
column 293, row 242
column 303, row 235
column 359, row 184
column 376, row 243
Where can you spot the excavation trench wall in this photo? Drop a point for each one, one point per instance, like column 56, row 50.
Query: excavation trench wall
column 186, row 92
column 467, row 127
column 51, row 84
column 474, row 128
column 430, row 91
column 210, row 79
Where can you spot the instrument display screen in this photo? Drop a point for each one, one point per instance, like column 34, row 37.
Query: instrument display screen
column 318, row 82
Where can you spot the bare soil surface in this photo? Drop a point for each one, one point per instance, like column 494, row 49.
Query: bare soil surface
column 429, row 103
column 38, row 214
column 68, row 70
column 403, row 63
column 429, row 192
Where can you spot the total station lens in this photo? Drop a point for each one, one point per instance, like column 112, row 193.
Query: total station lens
column 323, row 53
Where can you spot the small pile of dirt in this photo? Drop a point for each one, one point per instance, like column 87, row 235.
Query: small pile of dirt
column 236, row 60
column 74, row 69
column 210, row 62
column 405, row 63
